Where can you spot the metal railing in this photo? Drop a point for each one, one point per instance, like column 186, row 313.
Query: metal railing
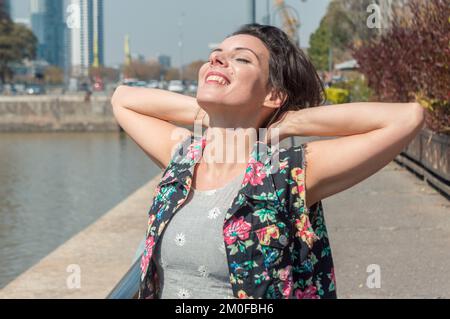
column 128, row 286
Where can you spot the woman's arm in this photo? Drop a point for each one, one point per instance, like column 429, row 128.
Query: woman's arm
column 347, row 119
column 374, row 133
column 147, row 116
column 165, row 105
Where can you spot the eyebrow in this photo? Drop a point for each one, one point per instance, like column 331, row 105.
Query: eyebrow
column 236, row 49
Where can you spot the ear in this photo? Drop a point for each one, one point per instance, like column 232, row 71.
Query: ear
column 274, row 99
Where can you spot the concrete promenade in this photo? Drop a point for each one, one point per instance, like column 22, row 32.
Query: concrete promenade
column 392, row 222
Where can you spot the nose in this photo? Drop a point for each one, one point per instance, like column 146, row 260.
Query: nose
column 217, row 58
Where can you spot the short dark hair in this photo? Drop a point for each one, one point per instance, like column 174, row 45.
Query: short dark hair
column 290, row 70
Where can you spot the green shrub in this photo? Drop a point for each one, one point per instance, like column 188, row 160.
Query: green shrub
column 336, row 95
column 358, row 89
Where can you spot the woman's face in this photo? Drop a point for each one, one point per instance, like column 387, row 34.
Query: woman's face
column 239, row 86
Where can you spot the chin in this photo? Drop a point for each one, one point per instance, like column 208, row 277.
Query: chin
column 209, row 98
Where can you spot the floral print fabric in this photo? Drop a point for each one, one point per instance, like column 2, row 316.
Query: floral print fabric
column 276, row 248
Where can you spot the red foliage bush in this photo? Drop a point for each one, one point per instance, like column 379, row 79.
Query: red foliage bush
column 412, row 61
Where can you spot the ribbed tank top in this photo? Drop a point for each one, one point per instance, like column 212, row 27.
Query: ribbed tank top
column 190, row 255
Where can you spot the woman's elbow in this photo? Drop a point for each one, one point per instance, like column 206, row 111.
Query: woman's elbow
column 418, row 114
column 117, row 96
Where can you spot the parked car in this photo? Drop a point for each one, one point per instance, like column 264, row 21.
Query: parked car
column 153, row 84
column 127, row 81
column 135, row 83
column 163, row 85
column 176, row 86
column 8, row 89
column 35, row 89
column 192, row 88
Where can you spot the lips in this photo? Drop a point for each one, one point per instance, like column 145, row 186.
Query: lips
column 219, row 74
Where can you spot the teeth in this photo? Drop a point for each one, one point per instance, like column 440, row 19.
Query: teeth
column 217, row 78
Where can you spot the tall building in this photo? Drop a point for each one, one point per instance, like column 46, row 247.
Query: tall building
column 5, row 6
column 47, row 23
column 86, row 36
column 165, row 61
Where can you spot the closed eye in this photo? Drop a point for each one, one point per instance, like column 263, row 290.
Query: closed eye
column 245, row 61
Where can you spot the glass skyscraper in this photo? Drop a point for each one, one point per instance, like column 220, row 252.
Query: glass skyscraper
column 6, row 5
column 86, row 35
column 47, row 23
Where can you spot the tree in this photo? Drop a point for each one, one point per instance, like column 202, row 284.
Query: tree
column 17, row 42
column 54, row 75
column 191, row 71
column 319, row 45
column 3, row 14
column 143, row 70
column 172, row 74
column 108, row 74
column 343, row 28
column 412, row 61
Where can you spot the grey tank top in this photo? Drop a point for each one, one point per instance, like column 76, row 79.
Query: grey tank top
column 190, row 255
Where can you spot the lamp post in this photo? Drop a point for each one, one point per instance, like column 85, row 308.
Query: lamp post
column 267, row 17
column 180, row 44
column 251, row 10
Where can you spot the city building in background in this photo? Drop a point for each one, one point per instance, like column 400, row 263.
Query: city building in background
column 165, row 61
column 47, row 23
column 6, row 5
column 86, row 40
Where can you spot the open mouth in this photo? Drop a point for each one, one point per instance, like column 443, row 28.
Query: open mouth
column 217, row 79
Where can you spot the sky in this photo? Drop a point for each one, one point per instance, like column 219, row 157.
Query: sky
column 155, row 27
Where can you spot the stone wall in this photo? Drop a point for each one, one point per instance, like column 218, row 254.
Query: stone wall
column 56, row 113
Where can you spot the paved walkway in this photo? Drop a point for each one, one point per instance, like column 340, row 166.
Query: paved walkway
column 394, row 220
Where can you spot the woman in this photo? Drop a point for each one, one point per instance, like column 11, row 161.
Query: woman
column 252, row 227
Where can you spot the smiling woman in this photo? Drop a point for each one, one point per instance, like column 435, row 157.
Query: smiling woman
column 274, row 242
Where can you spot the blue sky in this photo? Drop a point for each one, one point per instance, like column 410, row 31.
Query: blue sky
column 154, row 25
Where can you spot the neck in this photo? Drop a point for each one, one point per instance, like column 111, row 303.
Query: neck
column 227, row 149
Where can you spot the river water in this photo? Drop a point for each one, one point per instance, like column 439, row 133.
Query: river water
column 53, row 185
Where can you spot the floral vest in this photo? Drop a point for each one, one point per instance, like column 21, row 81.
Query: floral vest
column 276, row 248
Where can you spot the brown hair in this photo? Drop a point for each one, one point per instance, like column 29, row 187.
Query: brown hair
column 290, row 70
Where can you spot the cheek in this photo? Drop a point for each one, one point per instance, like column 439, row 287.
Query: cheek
column 251, row 81
column 202, row 71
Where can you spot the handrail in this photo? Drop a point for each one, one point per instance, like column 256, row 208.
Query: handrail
column 128, row 286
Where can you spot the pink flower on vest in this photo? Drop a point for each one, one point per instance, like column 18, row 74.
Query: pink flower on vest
column 145, row 260
column 308, row 293
column 236, row 228
column 256, row 174
column 288, row 283
column 285, row 273
column 333, row 276
column 195, row 149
